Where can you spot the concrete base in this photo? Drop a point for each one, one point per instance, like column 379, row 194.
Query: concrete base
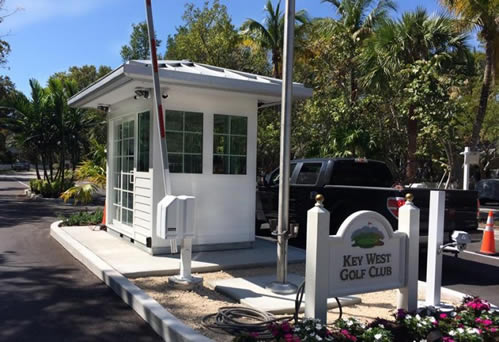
column 252, row 292
column 181, row 283
column 133, row 262
column 444, row 307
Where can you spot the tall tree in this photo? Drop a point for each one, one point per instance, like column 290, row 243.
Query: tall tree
column 138, row 47
column 208, row 36
column 484, row 16
column 358, row 18
column 83, row 76
column 270, row 34
column 395, row 47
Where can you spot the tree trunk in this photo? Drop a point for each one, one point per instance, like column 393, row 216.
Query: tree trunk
column 275, row 63
column 484, row 94
column 353, row 86
column 37, row 170
column 412, row 136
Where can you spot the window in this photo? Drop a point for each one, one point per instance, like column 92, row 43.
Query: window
column 348, row 172
column 143, row 142
column 229, row 144
column 309, row 173
column 184, row 137
column 274, row 178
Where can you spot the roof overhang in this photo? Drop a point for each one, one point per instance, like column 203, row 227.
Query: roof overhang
column 187, row 74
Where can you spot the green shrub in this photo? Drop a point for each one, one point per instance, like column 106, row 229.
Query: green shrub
column 83, row 218
column 49, row 190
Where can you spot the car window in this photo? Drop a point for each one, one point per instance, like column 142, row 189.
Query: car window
column 274, row 179
column 348, row 172
column 309, row 173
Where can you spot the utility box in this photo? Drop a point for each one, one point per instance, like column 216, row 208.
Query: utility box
column 176, row 217
column 210, row 121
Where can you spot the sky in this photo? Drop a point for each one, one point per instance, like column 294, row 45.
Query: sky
column 48, row 36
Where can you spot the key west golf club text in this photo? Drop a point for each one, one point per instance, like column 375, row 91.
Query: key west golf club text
column 368, row 265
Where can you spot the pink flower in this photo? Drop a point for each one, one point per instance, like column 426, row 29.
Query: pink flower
column 447, row 339
column 487, row 322
column 493, row 330
column 288, row 337
column 443, row 316
column 285, row 327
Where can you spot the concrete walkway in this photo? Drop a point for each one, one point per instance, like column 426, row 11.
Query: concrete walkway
column 133, row 262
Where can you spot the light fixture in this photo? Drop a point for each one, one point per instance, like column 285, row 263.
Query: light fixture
column 104, row 107
column 142, row 93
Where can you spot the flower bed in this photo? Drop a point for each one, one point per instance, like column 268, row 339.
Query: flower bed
column 473, row 321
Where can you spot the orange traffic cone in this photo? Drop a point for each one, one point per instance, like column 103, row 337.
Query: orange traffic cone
column 488, row 242
column 104, row 215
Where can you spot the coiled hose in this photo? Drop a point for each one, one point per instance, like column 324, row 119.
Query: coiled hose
column 239, row 320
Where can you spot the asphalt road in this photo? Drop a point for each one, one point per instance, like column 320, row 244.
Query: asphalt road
column 473, row 274
column 46, row 294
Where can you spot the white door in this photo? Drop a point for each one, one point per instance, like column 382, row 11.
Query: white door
column 123, row 174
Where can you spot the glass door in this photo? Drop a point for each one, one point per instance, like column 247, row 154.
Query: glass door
column 123, row 173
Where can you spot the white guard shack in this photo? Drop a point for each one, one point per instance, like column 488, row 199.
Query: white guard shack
column 211, row 131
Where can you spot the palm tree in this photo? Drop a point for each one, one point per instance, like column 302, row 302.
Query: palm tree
column 401, row 43
column 359, row 18
column 484, row 16
column 270, row 35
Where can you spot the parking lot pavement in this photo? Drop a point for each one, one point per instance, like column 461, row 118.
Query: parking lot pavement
column 45, row 294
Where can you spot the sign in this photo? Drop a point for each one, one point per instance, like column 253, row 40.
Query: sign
column 366, row 256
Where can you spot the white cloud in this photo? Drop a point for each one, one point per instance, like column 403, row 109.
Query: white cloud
column 35, row 11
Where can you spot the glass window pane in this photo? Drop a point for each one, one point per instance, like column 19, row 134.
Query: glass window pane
column 220, row 164
column 221, row 144
column 221, row 123
column 131, row 125
column 193, row 122
column 175, row 162
column 193, row 163
column 174, row 142
column 193, row 143
column 143, row 141
column 309, row 173
column 174, row 120
column 238, row 145
column 238, row 125
column 238, row 165
column 130, row 217
column 130, row 200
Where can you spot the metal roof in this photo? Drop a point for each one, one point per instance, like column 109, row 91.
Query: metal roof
column 190, row 74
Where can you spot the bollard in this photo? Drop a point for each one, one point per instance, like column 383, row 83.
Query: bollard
column 317, row 261
column 435, row 240
column 407, row 297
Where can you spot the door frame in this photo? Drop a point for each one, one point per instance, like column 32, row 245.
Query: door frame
column 119, row 225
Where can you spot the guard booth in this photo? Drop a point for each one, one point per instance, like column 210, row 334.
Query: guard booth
column 211, row 132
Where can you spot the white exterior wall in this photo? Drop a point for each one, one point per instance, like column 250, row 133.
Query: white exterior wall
column 225, row 204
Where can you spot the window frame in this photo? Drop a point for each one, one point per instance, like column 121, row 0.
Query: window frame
column 229, row 135
column 185, row 132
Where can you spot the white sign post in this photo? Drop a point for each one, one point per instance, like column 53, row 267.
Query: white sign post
column 316, row 285
column 435, row 240
column 366, row 255
column 407, row 297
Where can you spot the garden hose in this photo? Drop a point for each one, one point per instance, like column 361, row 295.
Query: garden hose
column 243, row 320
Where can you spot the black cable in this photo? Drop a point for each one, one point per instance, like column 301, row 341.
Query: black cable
column 299, row 299
column 239, row 320
column 243, row 320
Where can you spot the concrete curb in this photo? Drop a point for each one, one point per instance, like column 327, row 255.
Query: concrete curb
column 161, row 321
